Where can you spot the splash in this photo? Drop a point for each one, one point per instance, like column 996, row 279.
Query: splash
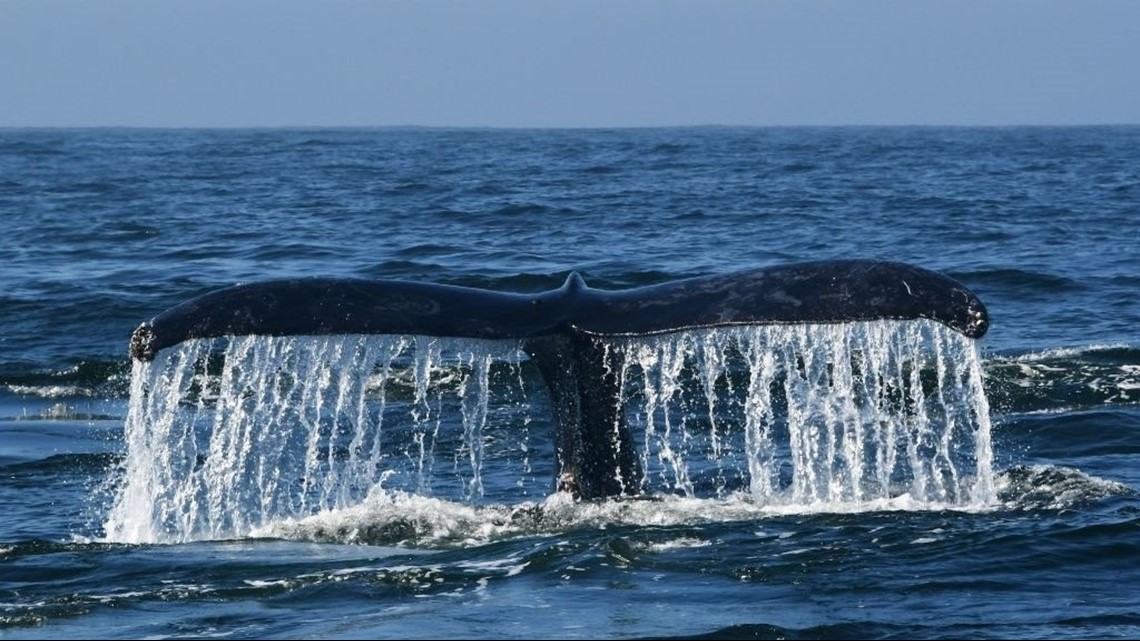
column 828, row 413
column 234, row 437
column 221, row 443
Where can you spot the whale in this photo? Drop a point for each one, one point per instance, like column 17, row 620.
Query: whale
column 565, row 330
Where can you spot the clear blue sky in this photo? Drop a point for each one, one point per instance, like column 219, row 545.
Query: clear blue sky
column 527, row 63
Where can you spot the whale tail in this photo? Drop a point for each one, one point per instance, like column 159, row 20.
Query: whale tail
column 565, row 330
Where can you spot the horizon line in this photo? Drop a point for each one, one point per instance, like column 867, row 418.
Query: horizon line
column 217, row 127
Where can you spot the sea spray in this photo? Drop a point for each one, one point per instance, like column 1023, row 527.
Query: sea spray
column 226, row 437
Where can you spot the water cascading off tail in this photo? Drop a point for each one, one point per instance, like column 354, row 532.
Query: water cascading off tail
column 227, row 435
column 816, row 414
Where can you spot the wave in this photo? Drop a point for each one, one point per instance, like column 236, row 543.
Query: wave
column 1064, row 378
column 399, row 518
column 1020, row 281
column 393, row 518
column 1048, row 487
column 87, row 378
column 92, row 462
column 531, row 209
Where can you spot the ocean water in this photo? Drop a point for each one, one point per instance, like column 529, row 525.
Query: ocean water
column 350, row 486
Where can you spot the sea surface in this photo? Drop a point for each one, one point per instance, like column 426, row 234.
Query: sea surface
column 221, row 509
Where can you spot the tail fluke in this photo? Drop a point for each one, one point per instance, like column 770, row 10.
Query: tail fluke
column 564, row 330
column 818, row 292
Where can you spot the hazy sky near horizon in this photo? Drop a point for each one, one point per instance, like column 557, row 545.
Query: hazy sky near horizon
column 586, row 63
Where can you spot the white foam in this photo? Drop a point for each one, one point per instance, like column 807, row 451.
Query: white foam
column 1053, row 487
column 394, row 518
column 682, row 543
column 50, row 391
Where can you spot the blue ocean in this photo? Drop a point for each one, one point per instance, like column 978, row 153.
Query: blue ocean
column 404, row 486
